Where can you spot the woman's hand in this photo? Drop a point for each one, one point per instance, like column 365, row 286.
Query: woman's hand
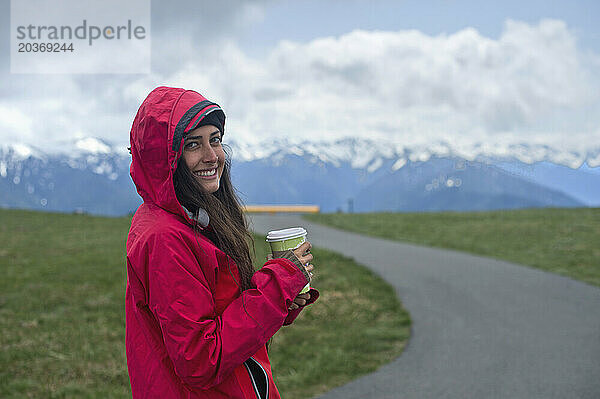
column 300, row 300
column 305, row 257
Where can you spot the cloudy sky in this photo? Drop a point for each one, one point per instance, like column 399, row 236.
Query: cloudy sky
column 413, row 72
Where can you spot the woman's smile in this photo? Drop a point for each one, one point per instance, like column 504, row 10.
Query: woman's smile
column 206, row 174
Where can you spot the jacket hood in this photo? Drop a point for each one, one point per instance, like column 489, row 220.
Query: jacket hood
column 160, row 126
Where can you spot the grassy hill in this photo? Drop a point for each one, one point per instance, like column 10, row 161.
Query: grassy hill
column 62, row 322
column 563, row 241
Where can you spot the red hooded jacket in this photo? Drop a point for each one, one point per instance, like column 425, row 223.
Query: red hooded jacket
column 190, row 332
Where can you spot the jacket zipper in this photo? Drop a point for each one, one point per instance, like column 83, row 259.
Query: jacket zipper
column 263, row 374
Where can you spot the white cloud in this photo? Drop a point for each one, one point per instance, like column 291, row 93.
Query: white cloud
column 15, row 125
column 530, row 85
column 409, row 86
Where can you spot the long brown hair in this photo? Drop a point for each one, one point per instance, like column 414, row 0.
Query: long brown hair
column 231, row 234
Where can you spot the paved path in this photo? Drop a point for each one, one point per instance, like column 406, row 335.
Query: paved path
column 482, row 328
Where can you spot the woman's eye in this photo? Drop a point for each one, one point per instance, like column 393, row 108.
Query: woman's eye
column 191, row 145
column 216, row 139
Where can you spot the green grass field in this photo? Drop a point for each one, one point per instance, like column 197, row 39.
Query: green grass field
column 62, row 326
column 563, row 241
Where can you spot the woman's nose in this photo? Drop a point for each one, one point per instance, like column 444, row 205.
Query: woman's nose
column 209, row 155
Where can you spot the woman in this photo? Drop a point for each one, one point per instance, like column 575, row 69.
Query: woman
column 198, row 316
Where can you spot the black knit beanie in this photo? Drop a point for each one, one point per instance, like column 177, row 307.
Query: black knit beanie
column 216, row 118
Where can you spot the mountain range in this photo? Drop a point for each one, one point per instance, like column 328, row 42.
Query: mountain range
column 92, row 176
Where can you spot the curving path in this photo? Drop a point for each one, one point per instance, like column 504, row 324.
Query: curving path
column 482, row 328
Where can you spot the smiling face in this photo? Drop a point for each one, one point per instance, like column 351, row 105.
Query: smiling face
column 204, row 156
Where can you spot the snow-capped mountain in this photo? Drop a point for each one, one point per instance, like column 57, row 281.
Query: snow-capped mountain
column 378, row 175
column 91, row 175
column 366, row 153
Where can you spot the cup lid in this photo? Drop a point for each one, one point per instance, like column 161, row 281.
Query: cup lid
column 285, row 234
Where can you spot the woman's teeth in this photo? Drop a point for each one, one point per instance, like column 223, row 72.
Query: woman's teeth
column 206, row 172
